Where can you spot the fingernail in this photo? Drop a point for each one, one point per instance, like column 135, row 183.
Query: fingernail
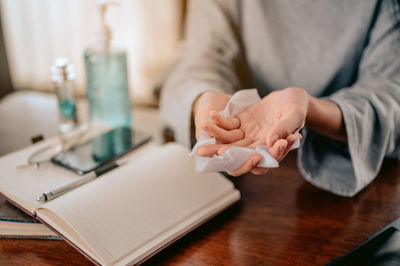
column 275, row 138
column 282, row 148
column 255, row 162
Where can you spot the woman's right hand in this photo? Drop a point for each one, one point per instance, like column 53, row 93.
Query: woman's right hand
column 205, row 107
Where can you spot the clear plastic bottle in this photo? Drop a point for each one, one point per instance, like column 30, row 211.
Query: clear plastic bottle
column 62, row 77
column 107, row 79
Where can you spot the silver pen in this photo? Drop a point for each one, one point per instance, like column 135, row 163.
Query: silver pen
column 52, row 194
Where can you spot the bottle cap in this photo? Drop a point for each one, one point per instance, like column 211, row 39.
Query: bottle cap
column 62, row 71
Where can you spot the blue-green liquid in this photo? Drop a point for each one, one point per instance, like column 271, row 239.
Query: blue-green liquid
column 67, row 109
column 107, row 88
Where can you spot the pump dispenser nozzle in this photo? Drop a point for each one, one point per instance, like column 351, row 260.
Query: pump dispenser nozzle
column 105, row 33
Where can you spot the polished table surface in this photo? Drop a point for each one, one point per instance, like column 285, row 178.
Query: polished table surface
column 280, row 220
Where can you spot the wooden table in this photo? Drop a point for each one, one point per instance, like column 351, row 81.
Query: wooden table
column 281, row 220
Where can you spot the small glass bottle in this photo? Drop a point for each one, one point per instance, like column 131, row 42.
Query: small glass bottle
column 62, row 77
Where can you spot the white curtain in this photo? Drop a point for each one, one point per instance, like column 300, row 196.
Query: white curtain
column 38, row 31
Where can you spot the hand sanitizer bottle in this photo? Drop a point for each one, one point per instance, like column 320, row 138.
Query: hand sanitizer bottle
column 62, row 77
column 107, row 81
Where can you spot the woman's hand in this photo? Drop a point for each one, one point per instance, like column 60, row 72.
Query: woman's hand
column 271, row 122
column 210, row 103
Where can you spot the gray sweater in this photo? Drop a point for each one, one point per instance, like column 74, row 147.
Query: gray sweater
column 347, row 51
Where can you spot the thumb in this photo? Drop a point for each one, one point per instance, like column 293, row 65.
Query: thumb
column 283, row 128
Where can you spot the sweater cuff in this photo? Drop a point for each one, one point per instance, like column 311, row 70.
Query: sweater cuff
column 333, row 165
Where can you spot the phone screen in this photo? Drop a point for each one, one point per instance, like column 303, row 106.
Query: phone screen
column 100, row 150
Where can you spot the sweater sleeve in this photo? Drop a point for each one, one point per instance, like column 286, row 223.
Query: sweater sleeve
column 211, row 53
column 371, row 113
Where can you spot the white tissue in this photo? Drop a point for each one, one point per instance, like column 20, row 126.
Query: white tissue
column 235, row 156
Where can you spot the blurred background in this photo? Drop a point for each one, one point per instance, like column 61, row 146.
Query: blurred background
column 34, row 33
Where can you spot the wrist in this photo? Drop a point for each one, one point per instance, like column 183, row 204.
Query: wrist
column 199, row 102
column 325, row 117
column 311, row 111
column 195, row 105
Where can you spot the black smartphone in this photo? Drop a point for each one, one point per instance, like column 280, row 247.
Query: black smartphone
column 382, row 248
column 100, row 150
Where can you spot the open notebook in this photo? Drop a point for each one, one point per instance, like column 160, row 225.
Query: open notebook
column 127, row 214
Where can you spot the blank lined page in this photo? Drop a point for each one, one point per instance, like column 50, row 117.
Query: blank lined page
column 128, row 207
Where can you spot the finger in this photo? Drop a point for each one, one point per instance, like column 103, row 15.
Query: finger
column 278, row 148
column 209, row 150
column 291, row 139
column 259, row 170
column 218, row 149
column 227, row 123
column 240, row 143
column 225, row 136
column 248, row 165
column 283, row 128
